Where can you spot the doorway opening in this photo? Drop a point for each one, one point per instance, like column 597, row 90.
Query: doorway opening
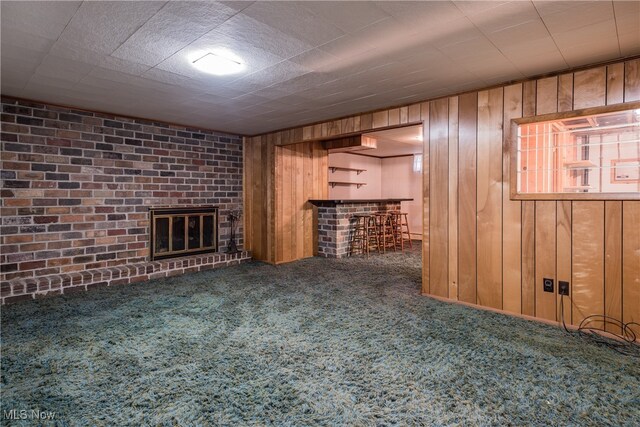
column 387, row 164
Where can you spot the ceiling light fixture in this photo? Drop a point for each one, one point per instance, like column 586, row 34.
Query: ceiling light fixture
column 217, row 62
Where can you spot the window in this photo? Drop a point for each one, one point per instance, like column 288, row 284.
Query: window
column 588, row 154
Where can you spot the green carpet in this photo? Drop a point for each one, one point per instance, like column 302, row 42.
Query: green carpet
column 315, row 342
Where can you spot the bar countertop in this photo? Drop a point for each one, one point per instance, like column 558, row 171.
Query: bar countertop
column 334, row 202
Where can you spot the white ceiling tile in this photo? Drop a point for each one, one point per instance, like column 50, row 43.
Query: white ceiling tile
column 512, row 36
column 505, row 16
column 629, row 44
column 25, row 59
column 17, row 38
column 456, row 32
column 314, row 60
column 292, row 19
column 277, row 73
column 421, row 13
column 235, row 31
column 575, row 44
column 475, row 6
column 43, row 19
column 350, row 16
column 204, row 14
column 546, row 7
column 305, row 62
column 166, row 77
column 121, row 65
column 578, row 16
column 103, row 25
column 63, row 69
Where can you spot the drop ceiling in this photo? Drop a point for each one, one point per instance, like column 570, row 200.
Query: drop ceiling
column 304, row 61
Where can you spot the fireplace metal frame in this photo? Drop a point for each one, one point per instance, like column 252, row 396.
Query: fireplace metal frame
column 201, row 211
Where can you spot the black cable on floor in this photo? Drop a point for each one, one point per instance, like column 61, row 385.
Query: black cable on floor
column 626, row 343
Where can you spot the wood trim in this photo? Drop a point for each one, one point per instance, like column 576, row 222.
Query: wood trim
column 577, row 113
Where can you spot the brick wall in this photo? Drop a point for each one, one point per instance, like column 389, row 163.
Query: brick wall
column 335, row 225
column 76, row 185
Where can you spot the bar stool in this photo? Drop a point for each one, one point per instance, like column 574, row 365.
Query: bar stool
column 385, row 229
column 365, row 235
column 401, row 229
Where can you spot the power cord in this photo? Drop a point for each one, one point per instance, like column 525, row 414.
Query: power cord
column 626, row 339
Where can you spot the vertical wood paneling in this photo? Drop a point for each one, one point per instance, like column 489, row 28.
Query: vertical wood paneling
column 467, row 238
column 489, row 198
column 529, row 98
column 631, row 264
column 545, row 218
column 453, row 198
column 545, row 263
column 307, row 208
column 563, row 254
column 589, row 88
column 630, row 221
column 528, row 220
column 632, row 80
column 563, row 213
column 426, row 191
column 300, row 200
column 528, row 259
column 615, row 83
column 478, row 245
column 269, row 159
column 439, row 196
column 301, row 174
column 511, row 211
column 547, row 95
column 588, row 220
column 612, row 265
column 394, row 117
column 380, row 119
column 588, row 259
column 414, row 113
column 565, row 92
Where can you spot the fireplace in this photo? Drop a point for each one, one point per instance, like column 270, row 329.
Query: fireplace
column 179, row 232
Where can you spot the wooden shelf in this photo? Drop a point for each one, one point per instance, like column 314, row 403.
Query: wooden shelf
column 580, row 164
column 342, row 183
column 339, row 168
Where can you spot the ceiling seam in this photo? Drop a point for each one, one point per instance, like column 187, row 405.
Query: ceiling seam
column 55, row 41
column 615, row 20
column 550, row 35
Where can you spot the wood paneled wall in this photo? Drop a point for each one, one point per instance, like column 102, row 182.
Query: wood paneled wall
column 279, row 180
column 502, row 249
column 479, row 246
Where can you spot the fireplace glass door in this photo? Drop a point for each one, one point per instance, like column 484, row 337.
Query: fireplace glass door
column 180, row 232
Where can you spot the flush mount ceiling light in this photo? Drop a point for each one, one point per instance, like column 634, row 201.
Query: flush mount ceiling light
column 217, row 62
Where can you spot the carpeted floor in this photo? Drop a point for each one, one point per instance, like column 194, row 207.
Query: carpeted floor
column 315, row 342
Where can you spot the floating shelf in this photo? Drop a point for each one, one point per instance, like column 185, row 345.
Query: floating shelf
column 338, row 168
column 580, row 164
column 341, row 183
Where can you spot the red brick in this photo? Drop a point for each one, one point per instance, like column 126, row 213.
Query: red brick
column 32, row 265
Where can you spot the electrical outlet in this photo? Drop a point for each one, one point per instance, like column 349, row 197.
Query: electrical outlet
column 547, row 285
column 563, row 288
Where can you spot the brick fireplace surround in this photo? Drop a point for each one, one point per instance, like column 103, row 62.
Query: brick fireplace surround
column 77, row 187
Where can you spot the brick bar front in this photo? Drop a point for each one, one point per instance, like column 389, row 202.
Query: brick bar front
column 335, row 222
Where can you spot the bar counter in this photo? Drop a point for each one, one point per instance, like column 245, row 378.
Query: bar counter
column 334, row 221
